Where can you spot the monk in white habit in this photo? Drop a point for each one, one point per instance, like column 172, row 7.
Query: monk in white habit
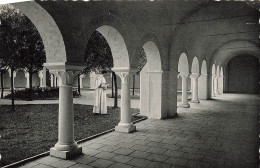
column 100, row 106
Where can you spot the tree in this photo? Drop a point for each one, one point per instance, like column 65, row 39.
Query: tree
column 22, row 43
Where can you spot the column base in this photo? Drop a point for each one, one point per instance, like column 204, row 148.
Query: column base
column 127, row 129
column 66, row 154
column 195, row 101
column 184, row 105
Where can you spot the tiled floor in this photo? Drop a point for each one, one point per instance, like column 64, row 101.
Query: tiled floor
column 214, row 133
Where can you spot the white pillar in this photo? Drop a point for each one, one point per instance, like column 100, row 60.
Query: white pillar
column 27, row 79
column 213, row 85
column 195, row 77
column 52, row 80
column 184, row 103
column 44, row 77
column 216, row 85
column 125, row 124
column 92, row 79
column 81, row 79
column 40, row 74
column 66, row 147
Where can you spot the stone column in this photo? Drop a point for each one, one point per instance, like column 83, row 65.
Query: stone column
column 27, row 80
column 40, row 74
column 195, row 77
column 125, row 124
column 213, row 85
column 81, row 79
column 216, row 85
column 66, row 147
column 184, row 103
column 14, row 75
column 52, row 80
column 92, row 79
column 44, row 78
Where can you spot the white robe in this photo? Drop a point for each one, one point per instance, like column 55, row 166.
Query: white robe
column 100, row 104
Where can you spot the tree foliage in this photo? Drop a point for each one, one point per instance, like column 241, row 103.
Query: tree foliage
column 98, row 54
column 21, row 42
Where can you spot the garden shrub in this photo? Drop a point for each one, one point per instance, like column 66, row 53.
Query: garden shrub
column 38, row 93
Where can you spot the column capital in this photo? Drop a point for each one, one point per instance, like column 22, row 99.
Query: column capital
column 195, row 75
column 67, row 77
column 124, row 76
column 184, row 75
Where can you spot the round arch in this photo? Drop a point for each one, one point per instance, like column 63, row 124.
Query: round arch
column 183, row 64
column 117, row 46
column 204, row 70
column 48, row 30
column 195, row 66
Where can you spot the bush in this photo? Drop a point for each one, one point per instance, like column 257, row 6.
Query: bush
column 38, row 93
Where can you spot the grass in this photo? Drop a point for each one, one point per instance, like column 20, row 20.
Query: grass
column 33, row 129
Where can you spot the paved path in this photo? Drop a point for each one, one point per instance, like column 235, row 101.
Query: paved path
column 215, row 133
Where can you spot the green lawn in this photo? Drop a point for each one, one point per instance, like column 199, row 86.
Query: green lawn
column 33, row 129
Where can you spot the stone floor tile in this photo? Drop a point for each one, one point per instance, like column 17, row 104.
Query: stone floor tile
column 121, row 158
column 140, row 147
column 42, row 166
column 95, row 145
column 47, row 160
column 157, row 158
column 123, row 151
column 140, row 154
column 174, row 153
column 90, row 152
column 63, row 163
column 120, row 165
column 158, row 165
column 105, row 155
column 125, row 145
column 101, row 163
column 156, row 150
column 176, row 161
column 84, row 159
column 139, row 162
column 29, row 165
column 78, row 165
column 109, row 148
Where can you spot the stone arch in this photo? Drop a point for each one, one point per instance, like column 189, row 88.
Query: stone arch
column 48, row 30
column 151, row 83
column 113, row 29
column 204, row 70
column 183, row 64
column 117, row 46
column 195, row 65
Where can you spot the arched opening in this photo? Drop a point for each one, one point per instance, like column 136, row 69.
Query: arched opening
column 203, row 82
column 243, row 74
column 183, row 69
column 151, row 83
column 20, row 80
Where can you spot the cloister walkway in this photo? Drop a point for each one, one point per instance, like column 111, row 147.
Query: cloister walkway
column 215, row 133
